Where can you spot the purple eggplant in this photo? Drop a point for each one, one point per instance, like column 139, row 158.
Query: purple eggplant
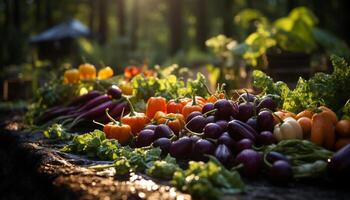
column 339, row 164
column 251, row 161
column 210, row 119
column 237, row 131
column 274, row 156
column 150, row 126
column 223, row 124
column 265, row 121
column 244, row 144
column 223, row 154
column 145, row 138
column 245, row 111
column 115, row 92
column 280, row 172
column 94, row 113
column 115, row 112
column 192, row 115
column 53, row 114
column 267, row 102
column 163, row 143
column 208, row 107
column 226, row 139
column 197, row 124
column 181, row 148
column 225, row 109
column 163, row 130
column 212, row 130
column 84, row 98
column 201, row 148
column 246, row 97
column 253, row 123
column 266, row 138
column 94, row 102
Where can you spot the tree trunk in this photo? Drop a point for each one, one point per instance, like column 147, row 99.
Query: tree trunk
column 175, row 23
column 7, row 14
column 202, row 30
column 291, row 4
column 134, row 25
column 92, row 15
column 345, row 21
column 121, row 17
column 38, row 17
column 17, row 15
column 48, row 13
column 227, row 16
column 103, row 26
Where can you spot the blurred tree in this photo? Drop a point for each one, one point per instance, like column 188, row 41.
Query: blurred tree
column 48, row 13
column 102, row 25
column 201, row 25
column 38, row 15
column 227, row 18
column 134, row 25
column 121, row 16
column 17, row 15
column 92, row 15
column 175, row 23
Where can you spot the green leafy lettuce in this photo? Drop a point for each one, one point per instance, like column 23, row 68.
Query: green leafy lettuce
column 331, row 90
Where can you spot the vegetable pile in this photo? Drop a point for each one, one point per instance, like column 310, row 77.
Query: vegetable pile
column 201, row 141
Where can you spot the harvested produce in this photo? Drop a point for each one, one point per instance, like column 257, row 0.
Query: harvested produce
column 155, row 104
column 137, row 121
column 287, row 129
column 339, row 164
column 307, row 159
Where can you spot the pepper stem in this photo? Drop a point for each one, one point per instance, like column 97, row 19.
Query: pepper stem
column 132, row 110
column 99, row 123
column 112, row 119
column 194, row 99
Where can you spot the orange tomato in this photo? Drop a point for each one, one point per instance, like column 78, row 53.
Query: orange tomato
column 305, row 124
column 305, row 113
column 342, row 128
column 341, row 142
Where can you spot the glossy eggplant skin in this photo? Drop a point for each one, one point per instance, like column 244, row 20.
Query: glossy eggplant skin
column 224, row 154
column 339, row 164
column 238, row 131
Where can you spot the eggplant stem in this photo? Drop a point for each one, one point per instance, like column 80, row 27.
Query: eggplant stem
column 192, row 132
column 99, row 123
column 210, row 111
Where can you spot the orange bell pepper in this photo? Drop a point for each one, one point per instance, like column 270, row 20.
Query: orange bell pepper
column 175, row 121
column 137, row 121
column 105, row 73
column 323, row 127
column 191, row 107
column 174, row 106
column 155, row 104
column 87, row 71
column 117, row 130
column 71, row 76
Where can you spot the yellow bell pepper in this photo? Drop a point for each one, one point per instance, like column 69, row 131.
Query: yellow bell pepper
column 105, row 73
column 71, row 76
column 126, row 88
column 87, row 71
